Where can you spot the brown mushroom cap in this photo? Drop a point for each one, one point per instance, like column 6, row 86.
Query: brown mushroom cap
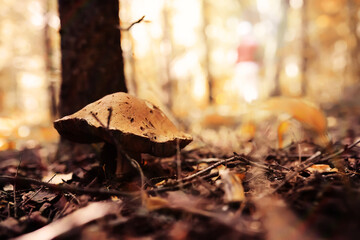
column 138, row 125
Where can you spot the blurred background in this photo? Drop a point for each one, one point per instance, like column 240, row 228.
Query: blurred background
column 204, row 62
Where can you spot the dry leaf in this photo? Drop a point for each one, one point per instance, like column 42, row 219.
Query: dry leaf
column 282, row 128
column 160, row 183
column 303, row 111
column 8, row 187
column 58, row 178
column 232, row 186
column 321, row 168
column 154, row 203
column 247, row 130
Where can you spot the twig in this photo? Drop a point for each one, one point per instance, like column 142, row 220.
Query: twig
column 205, row 160
column 307, row 163
column 36, row 193
column 222, row 161
column 119, row 149
column 263, row 166
column 168, row 188
column 190, row 177
column 15, row 203
column 311, row 161
column 132, row 24
column 60, row 188
column 341, row 151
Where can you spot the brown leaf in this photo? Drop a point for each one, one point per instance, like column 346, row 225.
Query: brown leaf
column 154, row 203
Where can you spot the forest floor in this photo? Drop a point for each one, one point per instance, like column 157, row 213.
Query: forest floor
column 285, row 194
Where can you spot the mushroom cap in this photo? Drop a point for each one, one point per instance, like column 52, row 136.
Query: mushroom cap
column 138, row 125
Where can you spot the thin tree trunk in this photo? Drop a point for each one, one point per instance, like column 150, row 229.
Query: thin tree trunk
column 354, row 52
column 92, row 63
column 305, row 49
column 49, row 63
column 279, row 56
column 205, row 9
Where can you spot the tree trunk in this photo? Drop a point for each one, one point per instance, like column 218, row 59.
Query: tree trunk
column 92, row 63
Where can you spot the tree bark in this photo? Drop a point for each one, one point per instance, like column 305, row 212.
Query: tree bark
column 92, row 63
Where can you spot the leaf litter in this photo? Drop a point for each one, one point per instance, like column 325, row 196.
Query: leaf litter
column 302, row 191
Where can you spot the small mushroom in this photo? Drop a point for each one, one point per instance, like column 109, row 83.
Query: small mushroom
column 137, row 125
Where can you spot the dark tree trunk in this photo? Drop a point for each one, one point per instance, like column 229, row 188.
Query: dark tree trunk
column 92, row 63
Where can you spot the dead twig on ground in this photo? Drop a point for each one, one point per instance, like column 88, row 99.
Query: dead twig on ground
column 260, row 165
column 180, row 185
column 307, row 163
column 311, row 161
column 222, row 161
column 218, row 162
column 61, row 188
column 36, row 193
column 15, row 203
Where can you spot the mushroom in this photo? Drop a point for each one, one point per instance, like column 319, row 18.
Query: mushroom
column 137, row 125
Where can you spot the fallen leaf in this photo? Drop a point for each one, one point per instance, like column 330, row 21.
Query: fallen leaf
column 303, row 111
column 154, row 203
column 39, row 197
column 160, row 183
column 58, row 178
column 247, row 130
column 8, row 187
column 321, row 168
column 282, row 128
column 232, row 186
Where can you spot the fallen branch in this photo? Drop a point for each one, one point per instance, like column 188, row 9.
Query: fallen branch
column 64, row 188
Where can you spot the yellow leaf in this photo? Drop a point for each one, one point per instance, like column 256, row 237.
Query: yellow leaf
column 247, row 130
column 160, row 183
column 321, row 168
column 303, row 111
column 282, row 128
column 154, row 203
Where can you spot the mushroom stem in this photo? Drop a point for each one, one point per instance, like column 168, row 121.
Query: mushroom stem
column 108, row 159
column 123, row 166
column 116, row 165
